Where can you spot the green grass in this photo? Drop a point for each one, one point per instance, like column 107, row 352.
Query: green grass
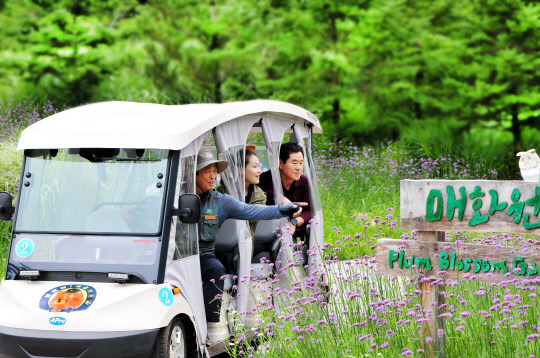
column 10, row 168
column 360, row 188
column 5, row 234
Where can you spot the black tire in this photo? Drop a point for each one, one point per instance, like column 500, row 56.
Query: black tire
column 172, row 341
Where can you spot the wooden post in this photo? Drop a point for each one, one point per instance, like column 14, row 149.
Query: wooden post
column 431, row 300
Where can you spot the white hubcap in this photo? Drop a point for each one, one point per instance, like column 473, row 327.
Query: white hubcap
column 176, row 344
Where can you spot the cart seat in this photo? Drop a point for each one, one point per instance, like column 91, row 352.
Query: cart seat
column 266, row 242
column 260, row 271
column 107, row 220
column 226, row 246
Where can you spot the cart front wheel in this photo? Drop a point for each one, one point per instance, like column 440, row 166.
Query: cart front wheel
column 171, row 342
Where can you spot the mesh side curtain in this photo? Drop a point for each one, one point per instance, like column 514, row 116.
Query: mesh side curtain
column 303, row 138
column 183, row 266
column 230, row 140
column 273, row 131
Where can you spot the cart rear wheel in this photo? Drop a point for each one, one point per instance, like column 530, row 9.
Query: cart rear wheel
column 171, row 342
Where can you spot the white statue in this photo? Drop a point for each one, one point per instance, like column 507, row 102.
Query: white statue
column 529, row 165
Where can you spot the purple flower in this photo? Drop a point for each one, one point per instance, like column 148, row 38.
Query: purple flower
column 440, row 332
column 532, row 336
column 406, row 352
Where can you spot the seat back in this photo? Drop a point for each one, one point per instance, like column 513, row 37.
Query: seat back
column 266, row 231
column 266, row 241
column 227, row 245
column 107, row 220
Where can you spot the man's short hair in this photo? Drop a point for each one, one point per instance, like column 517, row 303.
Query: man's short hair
column 287, row 148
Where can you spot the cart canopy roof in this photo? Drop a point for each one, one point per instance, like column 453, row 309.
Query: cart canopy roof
column 148, row 125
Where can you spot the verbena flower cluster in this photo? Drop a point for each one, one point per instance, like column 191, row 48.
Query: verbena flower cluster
column 360, row 314
column 343, row 309
column 13, row 119
column 340, row 165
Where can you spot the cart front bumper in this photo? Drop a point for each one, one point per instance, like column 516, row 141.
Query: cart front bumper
column 16, row 342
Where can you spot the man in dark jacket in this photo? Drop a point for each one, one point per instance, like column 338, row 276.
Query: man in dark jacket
column 295, row 185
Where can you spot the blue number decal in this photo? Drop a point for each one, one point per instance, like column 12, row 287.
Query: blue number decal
column 24, row 248
column 166, row 296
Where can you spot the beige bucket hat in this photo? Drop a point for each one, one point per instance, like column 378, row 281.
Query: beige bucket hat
column 205, row 157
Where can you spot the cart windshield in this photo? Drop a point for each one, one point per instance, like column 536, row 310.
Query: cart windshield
column 92, row 191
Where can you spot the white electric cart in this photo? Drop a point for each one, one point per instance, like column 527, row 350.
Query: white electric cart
column 103, row 260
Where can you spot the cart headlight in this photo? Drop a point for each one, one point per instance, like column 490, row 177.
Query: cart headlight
column 29, row 274
column 120, row 277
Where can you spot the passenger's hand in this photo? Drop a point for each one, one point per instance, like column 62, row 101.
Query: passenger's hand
column 291, row 210
column 291, row 227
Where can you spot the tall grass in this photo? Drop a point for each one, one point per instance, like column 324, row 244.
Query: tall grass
column 10, row 169
column 360, row 187
column 363, row 315
column 13, row 119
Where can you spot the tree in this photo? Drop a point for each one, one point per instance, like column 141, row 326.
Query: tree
column 196, row 51
column 503, row 67
column 59, row 48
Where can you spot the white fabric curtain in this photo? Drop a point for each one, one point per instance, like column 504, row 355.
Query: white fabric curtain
column 273, row 131
column 183, row 266
column 234, row 133
column 231, row 140
column 303, row 138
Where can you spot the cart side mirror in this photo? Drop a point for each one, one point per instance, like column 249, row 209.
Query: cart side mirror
column 6, row 206
column 189, row 208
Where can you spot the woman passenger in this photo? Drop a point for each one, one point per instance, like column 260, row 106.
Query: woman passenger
column 253, row 194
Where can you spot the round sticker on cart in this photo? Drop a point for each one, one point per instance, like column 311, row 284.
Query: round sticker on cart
column 24, row 248
column 166, row 296
column 68, row 298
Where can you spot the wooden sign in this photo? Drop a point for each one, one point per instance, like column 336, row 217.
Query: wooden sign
column 470, row 205
column 447, row 260
column 435, row 206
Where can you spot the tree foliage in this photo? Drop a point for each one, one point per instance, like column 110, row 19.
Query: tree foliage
column 465, row 70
